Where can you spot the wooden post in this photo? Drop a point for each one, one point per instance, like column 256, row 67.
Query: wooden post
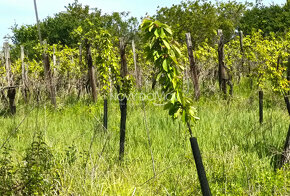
column 24, row 75
column 123, row 100
column 222, row 71
column 137, row 69
column 193, row 67
column 80, row 55
column 11, row 93
column 91, row 71
column 48, row 77
column 80, row 84
column 8, row 64
column 54, row 56
column 2, row 94
column 242, row 52
column 105, row 113
column 261, row 107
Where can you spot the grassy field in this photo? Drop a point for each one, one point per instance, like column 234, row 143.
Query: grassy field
column 67, row 152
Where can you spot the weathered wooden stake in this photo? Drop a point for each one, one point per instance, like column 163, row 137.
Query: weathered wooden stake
column 200, row 168
column 123, row 100
column 8, row 64
column 222, row 71
column 80, row 84
column 261, row 107
column 11, row 95
column 193, row 66
column 106, row 114
column 11, row 92
column 242, row 60
column 48, row 76
column 91, row 71
column 24, row 76
column 137, row 69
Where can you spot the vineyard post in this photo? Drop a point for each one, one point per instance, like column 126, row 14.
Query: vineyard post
column 221, row 69
column 91, row 71
column 48, row 76
column 80, row 65
column 123, row 100
column 11, row 92
column 261, row 95
column 54, row 56
column 240, row 68
column 105, row 113
column 137, row 74
column 24, row 75
column 8, row 64
column 193, row 66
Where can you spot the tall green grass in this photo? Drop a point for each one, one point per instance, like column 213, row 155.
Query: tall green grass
column 238, row 153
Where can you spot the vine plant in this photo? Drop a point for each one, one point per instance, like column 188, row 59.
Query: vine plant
column 163, row 51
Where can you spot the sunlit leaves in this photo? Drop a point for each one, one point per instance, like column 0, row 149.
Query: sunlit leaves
column 163, row 51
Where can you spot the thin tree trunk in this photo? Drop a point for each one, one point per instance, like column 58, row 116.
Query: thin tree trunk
column 193, row 66
column 91, row 71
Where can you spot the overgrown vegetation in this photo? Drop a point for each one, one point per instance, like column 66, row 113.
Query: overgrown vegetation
column 94, row 65
column 238, row 153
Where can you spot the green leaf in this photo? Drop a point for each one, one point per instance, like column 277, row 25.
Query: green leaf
column 156, row 33
column 164, row 65
column 162, row 34
column 168, row 30
column 166, row 44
